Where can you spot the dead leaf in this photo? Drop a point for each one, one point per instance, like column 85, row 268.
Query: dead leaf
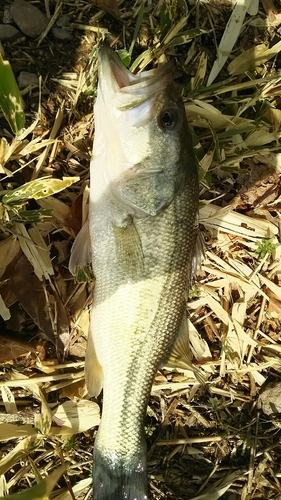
column 108, row 5
column 62, row 324
column 270, row 398
column 44, row 307
column 11, row 348
column 74, row 219
column 18, row 316
column 60, row 212
column 4, row 311
column 9, row 249
column 76, row 390
column 258, row 188
column 252, row 58
column 78, row 350
column 274, row 304
column 62, row 248
column 274, row 117
column 76, row 416
column 270, row 9
column 28, row 290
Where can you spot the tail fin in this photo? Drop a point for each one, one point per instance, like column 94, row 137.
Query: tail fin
column 118, row 481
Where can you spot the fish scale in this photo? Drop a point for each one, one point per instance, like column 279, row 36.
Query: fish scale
column 141, row 320
column 143, row 227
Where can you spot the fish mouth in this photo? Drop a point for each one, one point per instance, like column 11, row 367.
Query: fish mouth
column 115, row 78
column 111, row 69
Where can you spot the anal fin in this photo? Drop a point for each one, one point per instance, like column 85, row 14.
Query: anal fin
column 180, row 356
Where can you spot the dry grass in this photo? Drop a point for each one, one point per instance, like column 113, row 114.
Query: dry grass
column 217, row 440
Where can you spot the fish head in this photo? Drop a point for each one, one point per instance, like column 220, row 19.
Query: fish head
column 140, row 135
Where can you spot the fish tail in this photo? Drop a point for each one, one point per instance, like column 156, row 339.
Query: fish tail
column 118, row 481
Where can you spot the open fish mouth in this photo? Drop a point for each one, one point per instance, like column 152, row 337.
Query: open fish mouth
column 115, row 80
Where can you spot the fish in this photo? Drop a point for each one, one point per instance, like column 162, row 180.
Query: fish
column 143, row 227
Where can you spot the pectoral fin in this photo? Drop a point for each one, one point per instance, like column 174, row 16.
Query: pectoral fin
column 128, row 249
column 93, row 369
column 80, row 255
column 180, row 356
column 147, row 192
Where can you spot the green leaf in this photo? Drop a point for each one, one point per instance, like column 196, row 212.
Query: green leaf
column 83, row 274
column 175, row 31
column 31, row 216
column 238, row 130
column 40, row 491
column 265, row 247
column 137, row 28
column 197, row 81
column 215, row 88
column 124, row 56
column 186, row 36
column 183, row 7
column 10, row 98
column 205, row 178
column 40, row 188
column 235, row 169
column 140, row 59
column 165, row 21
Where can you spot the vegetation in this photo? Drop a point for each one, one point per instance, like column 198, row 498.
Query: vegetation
column 216, row 440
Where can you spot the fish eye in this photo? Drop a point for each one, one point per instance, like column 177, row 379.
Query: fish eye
column 169, row 119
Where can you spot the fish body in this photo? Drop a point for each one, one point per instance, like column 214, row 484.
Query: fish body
column 143, row 227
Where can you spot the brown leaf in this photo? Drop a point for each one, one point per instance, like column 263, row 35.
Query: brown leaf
column 46, row 310
column 28, row 290
column 18, row 316
column 62, row 325
column 258, row 188
column 274, row 304
column 109, row 6
column 74, row 219
column 9, row 249
column 62, row 249
column 270, row 9
column 270, row 398
column 11, row 348
column 6, row 293
column 78, row 350
column 76, row 390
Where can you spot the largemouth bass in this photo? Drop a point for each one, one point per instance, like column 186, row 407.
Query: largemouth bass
column 143, row 228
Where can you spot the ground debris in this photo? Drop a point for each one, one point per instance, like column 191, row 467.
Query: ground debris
column 31, row 20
